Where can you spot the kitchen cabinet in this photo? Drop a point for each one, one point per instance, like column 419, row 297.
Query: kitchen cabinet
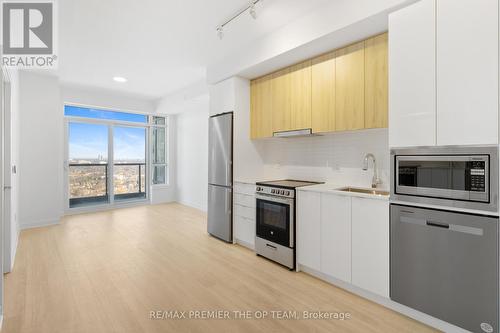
column 336, row 236
column 370, row 245
column 467, row 72
column 308, row 229
column 376, row 82
column 261, row 108
column 323, row 93
column 244, row 214
column 444, row 80
column 344, row 237
column 291, row 98
column 300, row 96
column 281, row 100
column 412, row 75
column 342, row 90
column 350, row 87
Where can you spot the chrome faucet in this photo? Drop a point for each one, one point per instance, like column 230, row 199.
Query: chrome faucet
column 375, row 180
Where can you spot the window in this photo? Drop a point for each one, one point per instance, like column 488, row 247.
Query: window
column 159, row 150
column 76, row 111
column 107, row 155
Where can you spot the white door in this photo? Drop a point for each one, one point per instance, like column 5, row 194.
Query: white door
column 412, row 75
column 308, row 229
column 7, row 148
column 2, row 184
column 467, row 72
column 336, row 236
column 370, row 245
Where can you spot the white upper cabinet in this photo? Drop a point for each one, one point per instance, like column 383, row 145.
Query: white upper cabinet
column 336, row 236
column 467, row 72
column 308, row 229
column 412, row 75
column 370, row 245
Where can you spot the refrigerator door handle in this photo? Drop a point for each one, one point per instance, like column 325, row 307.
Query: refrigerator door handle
column 228, row 203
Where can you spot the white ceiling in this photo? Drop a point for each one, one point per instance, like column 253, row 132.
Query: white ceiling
column 160, row 46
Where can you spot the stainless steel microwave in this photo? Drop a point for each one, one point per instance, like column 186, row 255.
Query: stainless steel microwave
column 465, row 177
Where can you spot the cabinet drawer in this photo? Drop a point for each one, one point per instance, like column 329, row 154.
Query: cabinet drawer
column 243, row 188
column 244, row 230
column 246, row 212
column 244, row 200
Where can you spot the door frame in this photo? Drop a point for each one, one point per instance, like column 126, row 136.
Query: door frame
column 4, row 77
column 6, row 172
column 110, row 126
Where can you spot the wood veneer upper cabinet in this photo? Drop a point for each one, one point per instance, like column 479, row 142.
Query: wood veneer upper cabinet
column 323, row 93
column 300, row 96
column 281, row 100
column 261, row 108
column 376, row 82
column 350, row 87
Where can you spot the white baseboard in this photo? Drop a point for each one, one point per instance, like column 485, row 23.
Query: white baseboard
column 388, row 303
column 193, row 205
column 38, row 224
column 249, row 246
column 14, row 250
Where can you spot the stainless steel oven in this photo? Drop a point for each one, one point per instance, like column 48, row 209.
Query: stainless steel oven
column 275, row 225
column 465, row 177
column 275, row 219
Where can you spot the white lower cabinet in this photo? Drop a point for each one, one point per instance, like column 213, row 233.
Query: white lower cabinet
column 244, row 214
column 345, row 237
column 308, row 229
column 370, row 245
column 336, row 236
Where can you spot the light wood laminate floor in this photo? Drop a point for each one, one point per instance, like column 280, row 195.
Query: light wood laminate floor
column 105, row 272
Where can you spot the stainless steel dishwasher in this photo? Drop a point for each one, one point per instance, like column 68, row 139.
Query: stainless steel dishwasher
column 446, row 264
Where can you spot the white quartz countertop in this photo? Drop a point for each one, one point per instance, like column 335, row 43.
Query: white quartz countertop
column 245, row 181
column 334, row 189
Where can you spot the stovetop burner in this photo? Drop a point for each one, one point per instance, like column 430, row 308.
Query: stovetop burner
column 287, row 183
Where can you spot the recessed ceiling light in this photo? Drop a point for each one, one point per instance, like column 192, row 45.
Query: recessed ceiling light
column 120, row 79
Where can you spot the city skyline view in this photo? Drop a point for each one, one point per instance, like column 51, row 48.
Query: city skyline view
column 90, row 142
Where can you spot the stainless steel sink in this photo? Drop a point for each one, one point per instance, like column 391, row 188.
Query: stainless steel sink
column 362, row 190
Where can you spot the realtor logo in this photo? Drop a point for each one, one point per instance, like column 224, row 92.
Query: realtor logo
column 28, row 34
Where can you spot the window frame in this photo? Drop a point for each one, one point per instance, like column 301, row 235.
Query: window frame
column 166, row 165
column 148, row 125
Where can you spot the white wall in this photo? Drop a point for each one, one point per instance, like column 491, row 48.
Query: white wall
column 192, row 156
column 333, row 25
column 89, row 96
column 41, row 139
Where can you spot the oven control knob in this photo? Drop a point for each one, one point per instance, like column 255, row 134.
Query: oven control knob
column 282, row 192
column 273, row 191
column 287, row 193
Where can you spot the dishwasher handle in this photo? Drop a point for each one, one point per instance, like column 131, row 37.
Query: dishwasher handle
column 437, row 224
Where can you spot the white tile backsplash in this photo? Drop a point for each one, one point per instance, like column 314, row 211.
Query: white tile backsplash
column 334, row 158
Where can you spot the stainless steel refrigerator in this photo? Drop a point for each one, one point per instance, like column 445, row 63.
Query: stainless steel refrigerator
column 220, row 176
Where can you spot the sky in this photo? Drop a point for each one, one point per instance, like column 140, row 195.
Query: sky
column 88, row 141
